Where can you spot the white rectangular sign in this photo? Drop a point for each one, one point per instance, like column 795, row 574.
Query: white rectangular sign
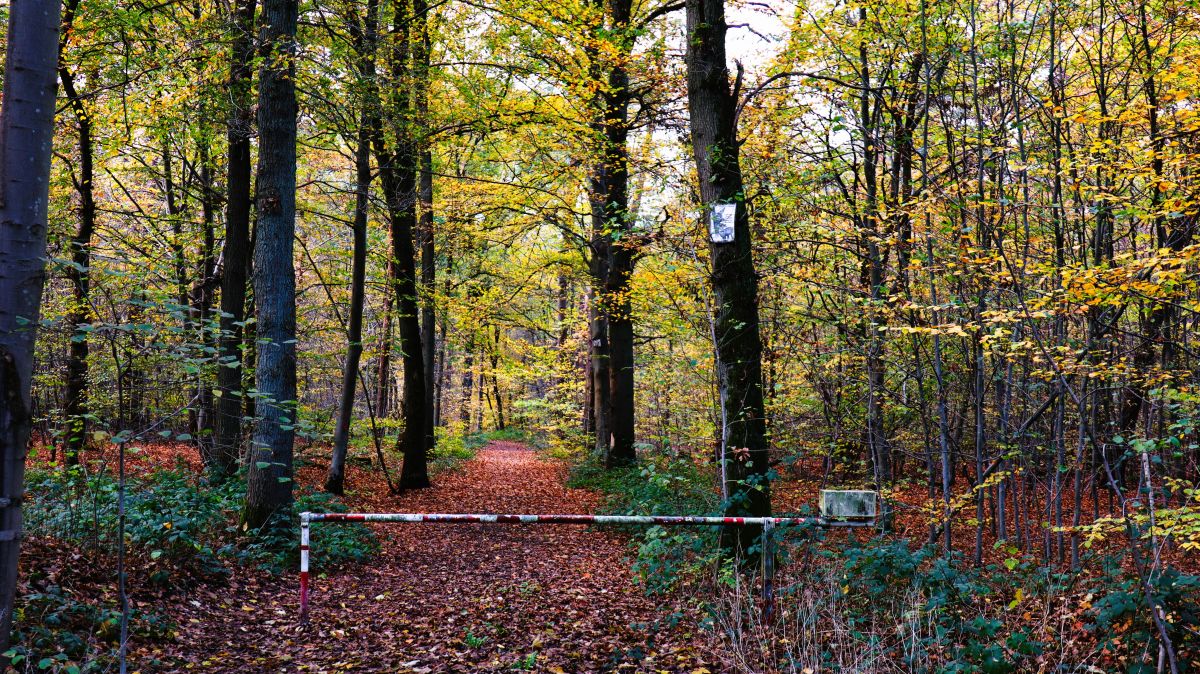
column 721, row 223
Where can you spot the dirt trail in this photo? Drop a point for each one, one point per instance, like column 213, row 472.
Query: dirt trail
column 460, row 597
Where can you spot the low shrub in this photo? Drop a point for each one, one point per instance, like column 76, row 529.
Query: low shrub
column 276, row 544
column 171, row 519
column 58, row 633
column 450, row 448
column 178, row 529
column 664, row 556
column 182, row 526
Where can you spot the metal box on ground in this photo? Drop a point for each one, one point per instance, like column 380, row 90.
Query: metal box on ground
column 849, row 504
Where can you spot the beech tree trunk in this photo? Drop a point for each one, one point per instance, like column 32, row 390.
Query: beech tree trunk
column 425, row 195
column 428, row 279
column 618, row 225
column 398, row 171
column 78, row 272
column 335, row 480
column 612, row 250
column 269, row 487
column 711, row 108
column 26, row 143
column 468, row 382
column 227, row 424
column 202, row 301
column 600, row 379
column 383, row 362
column 876, row 433
column 366, row 39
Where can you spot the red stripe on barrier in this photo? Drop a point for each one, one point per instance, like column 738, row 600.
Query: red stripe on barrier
column 303, row 596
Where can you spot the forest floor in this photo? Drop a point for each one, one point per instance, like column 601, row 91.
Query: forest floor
column 450, row 598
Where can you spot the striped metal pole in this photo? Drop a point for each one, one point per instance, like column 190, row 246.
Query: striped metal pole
column 768, row 561
column 661, row 520
column 305, row 519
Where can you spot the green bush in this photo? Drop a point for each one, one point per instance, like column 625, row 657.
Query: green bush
column 664, row 555
column 170, row 518
column 1123, row 615
column 889, row 582
column 55, row 632
column 177, row 527
column 183, row 525
column 276, row 545
column 450, row 448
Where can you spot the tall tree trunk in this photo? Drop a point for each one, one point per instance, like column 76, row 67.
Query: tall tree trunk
column 202, row 301
column 401, row 204
column 383, row 362
column 249, row 354
column 425, row 195
column 269, row 482
column 600, row 378
column 479, row 396
column 335, row 480
column 877, row 440
column 399, row 169
column 227, row 424
column 79, row 271
column 611, row 184
column 26, row 143
column 946, row 469
column 468, row 383
column 984, row 242
column 428, row 290
column 711, row 107
column 442, row 368
column 496, row 397
column 365, row 44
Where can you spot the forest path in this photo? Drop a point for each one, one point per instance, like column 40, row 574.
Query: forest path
column 460, row 597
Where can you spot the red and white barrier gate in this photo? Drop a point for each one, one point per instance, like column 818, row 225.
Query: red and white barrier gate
column 767, row 523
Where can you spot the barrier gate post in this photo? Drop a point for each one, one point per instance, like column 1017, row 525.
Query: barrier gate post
column 768, row 562
column 304, row 538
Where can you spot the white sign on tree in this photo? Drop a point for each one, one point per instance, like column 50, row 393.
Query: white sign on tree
column 721, row 223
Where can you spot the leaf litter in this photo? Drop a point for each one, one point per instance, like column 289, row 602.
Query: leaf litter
column 451, row 597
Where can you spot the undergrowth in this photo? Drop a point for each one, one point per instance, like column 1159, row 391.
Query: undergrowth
column 883, row 606
column 845, row 603
column 180, row 530
column 665, row 555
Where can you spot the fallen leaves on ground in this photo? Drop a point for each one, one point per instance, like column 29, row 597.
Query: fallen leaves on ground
column 449, row 597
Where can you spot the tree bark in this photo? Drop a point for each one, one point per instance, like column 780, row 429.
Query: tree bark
column 202, row 301
column 428, row 310
column 600, row 379
column 383, row 362
column 365, row 44
column 425, row 195
column 26, row 143
column 877, row 440
column 468, row 383
column 269, row 483
column 497, row 399
column 612, row 223
column 227, row 424
column 398, row 171
column 335, row 480
column 78, row 272
column 711, row 107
